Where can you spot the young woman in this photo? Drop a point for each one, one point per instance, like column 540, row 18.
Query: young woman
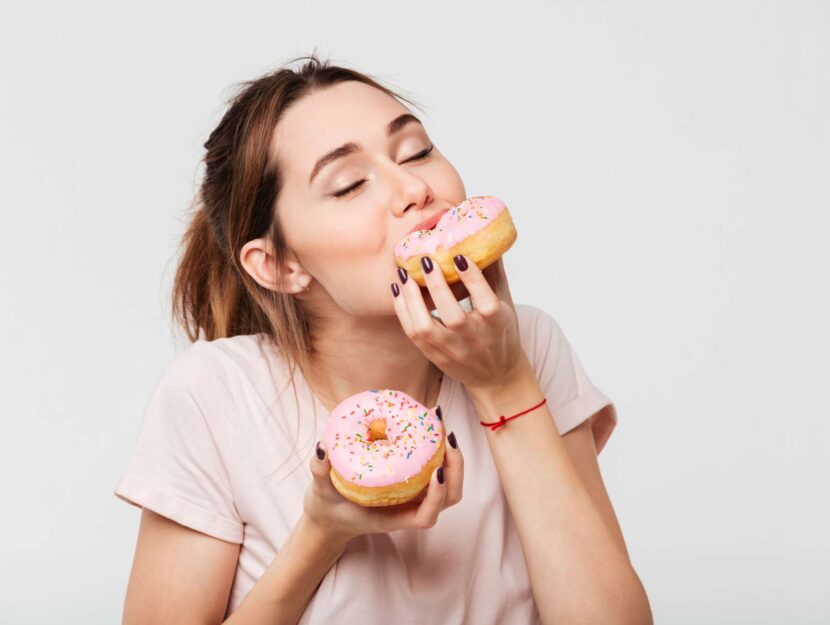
column 311, row 177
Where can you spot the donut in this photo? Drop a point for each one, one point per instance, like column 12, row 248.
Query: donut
column 383, row 446
column 480, row 228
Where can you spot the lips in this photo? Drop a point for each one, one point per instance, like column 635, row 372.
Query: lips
column 430, row 222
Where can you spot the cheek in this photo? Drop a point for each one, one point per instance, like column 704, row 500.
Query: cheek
column 348, row 248
column 352, row 238
column 342, row 233
column 447, row 182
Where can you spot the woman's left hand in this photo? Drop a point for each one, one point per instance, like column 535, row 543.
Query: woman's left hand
column 482, row 348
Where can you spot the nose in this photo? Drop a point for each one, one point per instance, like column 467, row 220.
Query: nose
column 412, row 193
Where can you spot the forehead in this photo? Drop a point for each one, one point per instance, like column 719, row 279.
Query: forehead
column 325, row 119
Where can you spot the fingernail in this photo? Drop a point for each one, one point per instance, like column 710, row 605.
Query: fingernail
column 395, row 290
column 453, row 442
column 440, row 475
column 460, row 262
column 320, row 453
column 426, row 263
column 402, row 273
column 438, row 413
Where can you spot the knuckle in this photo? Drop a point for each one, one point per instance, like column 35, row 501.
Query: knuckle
column 419, row 332
column 455, row 323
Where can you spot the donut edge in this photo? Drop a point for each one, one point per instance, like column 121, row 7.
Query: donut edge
column 392, row 494
column 483, row 247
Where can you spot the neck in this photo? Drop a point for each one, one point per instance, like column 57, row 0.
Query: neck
column 353, row 355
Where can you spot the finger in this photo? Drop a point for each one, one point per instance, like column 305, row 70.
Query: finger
column 452, row 315
column 321, row 467
column 422, row 516
column 453, row 471
column 427, row 513
column 423, row 327
column 485, row 300
column 495, row 274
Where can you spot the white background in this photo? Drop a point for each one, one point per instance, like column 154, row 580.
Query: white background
column 666, row 165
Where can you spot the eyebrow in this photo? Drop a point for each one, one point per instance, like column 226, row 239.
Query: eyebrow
column 351, row 147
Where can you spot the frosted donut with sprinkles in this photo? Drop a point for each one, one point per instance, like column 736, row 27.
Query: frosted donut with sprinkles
column 383, row 446
column 479, row 228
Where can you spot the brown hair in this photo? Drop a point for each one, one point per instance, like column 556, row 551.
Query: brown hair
column 213, row 296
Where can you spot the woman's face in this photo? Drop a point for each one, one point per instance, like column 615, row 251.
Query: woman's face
column 343, row 214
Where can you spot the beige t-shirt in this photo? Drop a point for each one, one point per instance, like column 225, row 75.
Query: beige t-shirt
column 215, row 454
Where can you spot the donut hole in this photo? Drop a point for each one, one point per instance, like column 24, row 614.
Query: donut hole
column 377, row 430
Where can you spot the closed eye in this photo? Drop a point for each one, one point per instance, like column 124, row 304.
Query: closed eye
column 420, row 155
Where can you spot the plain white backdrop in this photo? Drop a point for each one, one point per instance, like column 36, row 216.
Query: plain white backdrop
column 666, row 164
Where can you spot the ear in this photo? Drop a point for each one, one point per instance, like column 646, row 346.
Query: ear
column 259, row 260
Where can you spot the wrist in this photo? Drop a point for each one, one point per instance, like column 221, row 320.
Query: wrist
column 515, row 392
column 320, row 537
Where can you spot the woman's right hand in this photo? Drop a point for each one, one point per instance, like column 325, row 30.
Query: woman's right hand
column 328, row 509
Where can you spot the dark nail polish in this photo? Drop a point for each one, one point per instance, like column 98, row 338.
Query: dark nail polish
column 426, row 263
column 402, row 273
column 395, row 290
column 460, row 262
column 320, row 453
column 438, row 413
column 440, row 475
column 453, row 442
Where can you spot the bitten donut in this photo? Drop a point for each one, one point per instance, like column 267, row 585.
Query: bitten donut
column 383, row 446
column 480, row 228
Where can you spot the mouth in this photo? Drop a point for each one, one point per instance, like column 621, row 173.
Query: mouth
column 430, row 222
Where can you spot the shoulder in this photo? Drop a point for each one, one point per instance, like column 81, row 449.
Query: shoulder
column 196, row 364
column 531, row 315
column 218, row 358
column 244, row 367
column 537, row 328
column 209, row 371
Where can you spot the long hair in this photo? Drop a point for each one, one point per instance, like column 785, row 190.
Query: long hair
column 237, row 201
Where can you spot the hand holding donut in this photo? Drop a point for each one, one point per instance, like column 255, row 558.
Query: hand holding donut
column 343, row 519
column 482, row 348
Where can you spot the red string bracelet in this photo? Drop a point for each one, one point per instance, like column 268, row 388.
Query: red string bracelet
column 502, row 419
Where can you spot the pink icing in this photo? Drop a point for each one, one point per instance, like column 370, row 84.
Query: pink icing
column 457, row 224
column 413, row 432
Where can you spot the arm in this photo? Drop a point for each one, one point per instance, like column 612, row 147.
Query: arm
column 576, row 557
column 183, row 576
column 283, row 592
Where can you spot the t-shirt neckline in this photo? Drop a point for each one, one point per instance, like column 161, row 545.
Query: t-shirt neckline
column 444, row 393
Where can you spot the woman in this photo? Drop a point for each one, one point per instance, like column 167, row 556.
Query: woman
column 311, row 177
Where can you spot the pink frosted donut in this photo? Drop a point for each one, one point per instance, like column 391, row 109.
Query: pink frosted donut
column 383, row 446
column 480, row 228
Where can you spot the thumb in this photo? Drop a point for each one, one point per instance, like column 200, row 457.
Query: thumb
column 320, row 465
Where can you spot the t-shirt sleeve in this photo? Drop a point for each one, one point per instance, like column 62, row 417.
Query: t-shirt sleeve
column 571, row 395
column 181, row 464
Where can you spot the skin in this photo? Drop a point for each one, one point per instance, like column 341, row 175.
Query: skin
column 341, row 249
